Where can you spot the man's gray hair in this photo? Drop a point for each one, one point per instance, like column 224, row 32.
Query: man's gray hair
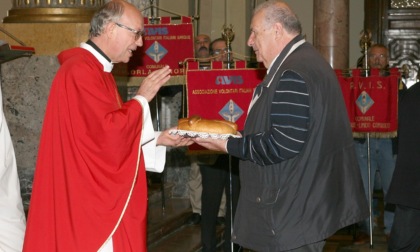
column 382, row 46
column 109, row 12
column 279, row 13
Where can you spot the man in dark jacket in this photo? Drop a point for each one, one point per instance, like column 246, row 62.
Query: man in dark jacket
column 300, row 180
column 404, row 191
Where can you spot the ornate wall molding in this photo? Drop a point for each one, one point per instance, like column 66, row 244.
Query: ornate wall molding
column 405, row 4
column 59, row 11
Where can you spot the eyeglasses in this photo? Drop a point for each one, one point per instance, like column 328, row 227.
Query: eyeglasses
column 220, row 51
column 204, row 41
column 137, row 34
column 378, row 56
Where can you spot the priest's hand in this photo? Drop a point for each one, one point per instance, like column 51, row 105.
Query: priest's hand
column 152, row 83
column 173, row 140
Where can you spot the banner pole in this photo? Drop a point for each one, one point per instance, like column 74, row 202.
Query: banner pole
column 231, row 201
column 369, row 191
column 365, row 41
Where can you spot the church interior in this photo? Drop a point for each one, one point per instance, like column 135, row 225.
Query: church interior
column 32, row 35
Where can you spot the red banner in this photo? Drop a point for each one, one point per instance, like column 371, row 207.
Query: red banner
column 221, row 93
column 372, row 102
column 163, row 44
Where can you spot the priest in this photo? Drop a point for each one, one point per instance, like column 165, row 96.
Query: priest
column 90, row 190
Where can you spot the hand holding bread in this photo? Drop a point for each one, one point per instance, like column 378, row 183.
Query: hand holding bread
column 197, row 124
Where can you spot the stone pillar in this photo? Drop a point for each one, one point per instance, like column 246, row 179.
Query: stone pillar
column 331, row 31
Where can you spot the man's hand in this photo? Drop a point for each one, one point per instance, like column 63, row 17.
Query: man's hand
column 152, row 83
column 173, row 140
column 212, row 144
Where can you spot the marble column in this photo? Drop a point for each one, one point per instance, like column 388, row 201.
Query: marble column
column 331, row 31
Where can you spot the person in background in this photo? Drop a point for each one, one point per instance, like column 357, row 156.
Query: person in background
column 378, row 58
column 382, row 154
column 202, row 47
column 90, row 189
column 220, row 181
column 12, row 215
column 299, row 176
column 404, row 190
column 202, row 55
column 218, row 50
column 202, row 50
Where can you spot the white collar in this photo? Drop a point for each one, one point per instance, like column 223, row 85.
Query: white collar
column 272, row 62
column 105, row 63
column 296, row 45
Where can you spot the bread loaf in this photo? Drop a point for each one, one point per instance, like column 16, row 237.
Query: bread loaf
column 198, row 124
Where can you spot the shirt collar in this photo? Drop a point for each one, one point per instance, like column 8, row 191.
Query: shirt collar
column 272, row 62
column 286, row 49
column 99, row 55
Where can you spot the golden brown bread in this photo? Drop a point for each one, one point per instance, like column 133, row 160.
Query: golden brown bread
column 198, row 124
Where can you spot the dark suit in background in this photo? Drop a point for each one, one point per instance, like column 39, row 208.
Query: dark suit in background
column 405, row 186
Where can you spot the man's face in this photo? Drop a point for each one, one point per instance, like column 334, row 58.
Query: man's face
column 378, row 58
column 202, row 46
column 124, row 39
column 262, row 40
column 219, row 50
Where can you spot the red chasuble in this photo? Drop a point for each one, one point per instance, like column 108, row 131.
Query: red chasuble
column 87, row 174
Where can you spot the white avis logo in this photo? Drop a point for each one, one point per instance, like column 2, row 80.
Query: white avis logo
column 227, row 80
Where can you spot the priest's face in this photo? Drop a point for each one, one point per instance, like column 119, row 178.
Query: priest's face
column 128, row 35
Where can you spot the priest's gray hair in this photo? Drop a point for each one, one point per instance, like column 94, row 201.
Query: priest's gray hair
column 107, row 13
column 279, row 12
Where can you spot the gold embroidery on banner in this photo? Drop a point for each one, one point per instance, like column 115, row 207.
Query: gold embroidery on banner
column 375, row 134
column 223, row 91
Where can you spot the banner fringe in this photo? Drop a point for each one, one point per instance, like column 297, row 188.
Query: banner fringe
column 375, row 134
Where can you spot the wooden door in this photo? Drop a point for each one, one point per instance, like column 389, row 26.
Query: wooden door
column 396, row 24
